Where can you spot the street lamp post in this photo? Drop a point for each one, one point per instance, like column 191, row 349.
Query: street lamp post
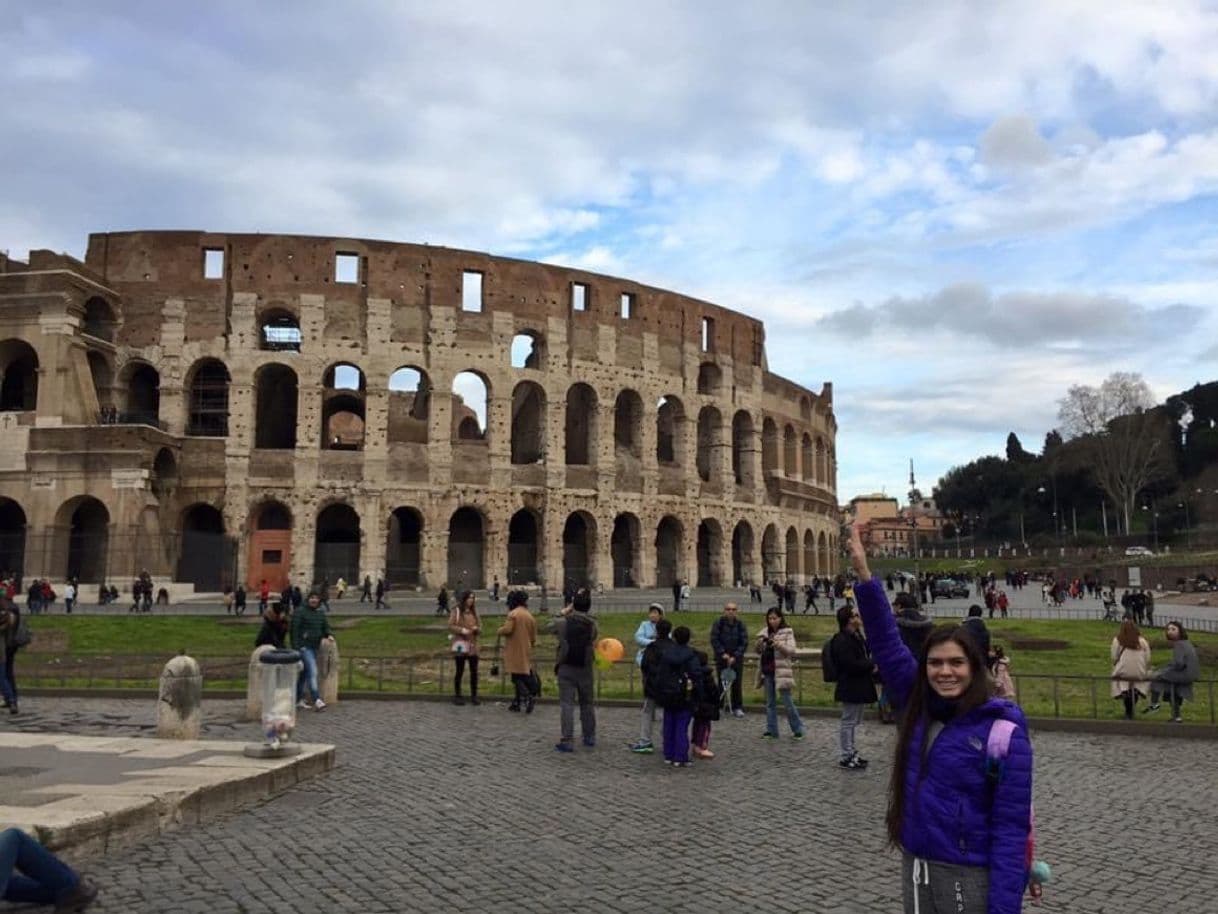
column 913, row 523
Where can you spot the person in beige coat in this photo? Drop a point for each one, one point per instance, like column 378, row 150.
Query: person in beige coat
column 776, row 645
column 464, row 626
column 1130, row 666
column 519, row 630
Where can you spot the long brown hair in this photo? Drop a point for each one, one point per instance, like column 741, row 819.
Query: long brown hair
column 1128, row 636
column 977, row 694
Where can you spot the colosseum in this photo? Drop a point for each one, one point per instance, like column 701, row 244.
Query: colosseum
column 216, row 408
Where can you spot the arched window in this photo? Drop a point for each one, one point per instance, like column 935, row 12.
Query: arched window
column 805, row 458
column 18, row 376
column 670, row 431
column 528, row 423
column 790, row 463
column 528, row 350
column 275, row 420
column 710, row 440
column 581, row 425
column 337, row 544
column 279, row 331
column 99, row 319
column 769, row 446
column 710, row 378
column 471, row 397
column 743, row 453
column 409, row 405
column 208, row 399
column 142, row 385
column 343, row 408
column 404, row 549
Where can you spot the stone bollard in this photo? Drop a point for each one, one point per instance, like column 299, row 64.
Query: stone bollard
column 253, row 684
column 327, row 671
column 180, row 706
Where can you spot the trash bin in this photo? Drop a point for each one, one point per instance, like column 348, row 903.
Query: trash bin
column 279, row 695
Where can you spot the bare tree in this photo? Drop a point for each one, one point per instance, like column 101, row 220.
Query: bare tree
column 1125, row 437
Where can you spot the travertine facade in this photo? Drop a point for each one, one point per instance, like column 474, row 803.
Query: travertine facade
column 220, row 407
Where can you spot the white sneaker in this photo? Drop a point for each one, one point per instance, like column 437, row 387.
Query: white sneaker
column 739, row 712
column 320, row 705
column 302, row 704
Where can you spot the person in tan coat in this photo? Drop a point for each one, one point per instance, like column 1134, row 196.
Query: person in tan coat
column 464, row 626
column 1130, row 666
column 519, row 630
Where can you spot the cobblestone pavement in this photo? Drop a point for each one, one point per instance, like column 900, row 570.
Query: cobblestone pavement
column 441, row 808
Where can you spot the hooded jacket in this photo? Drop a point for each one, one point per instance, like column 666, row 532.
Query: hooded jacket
column 953, row 811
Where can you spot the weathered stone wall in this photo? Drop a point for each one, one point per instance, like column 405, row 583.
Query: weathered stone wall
column 142, row 298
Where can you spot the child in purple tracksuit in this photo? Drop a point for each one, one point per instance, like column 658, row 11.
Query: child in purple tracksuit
column 680, row 680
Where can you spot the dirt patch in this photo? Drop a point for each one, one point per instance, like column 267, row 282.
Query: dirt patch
column 48, row 641
column 240, row 620
column 1037, row 644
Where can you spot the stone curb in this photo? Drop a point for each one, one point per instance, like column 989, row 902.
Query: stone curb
column 1147, row 728
column 104, row 832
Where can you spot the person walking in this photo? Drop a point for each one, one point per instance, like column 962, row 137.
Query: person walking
column 776, row 645
column 519, row 631
column 69, row 595
column 577, row 633
column 31, row 875
column 264, row 595
column 961, row 822
column 310, row 627
column 239, row 600
column 442, row 601
column 729, row 640
column 1130, row 655
column 382, row 594
column 855, row 687
column 10, row 628
column 678, row 690
column 676, row 595
column 365, row 591
column 1176, row 679
column 644, row 636
column 464, row 626
column 810, row 600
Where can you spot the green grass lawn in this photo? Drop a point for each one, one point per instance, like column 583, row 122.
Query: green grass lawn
column 407, row 654
column 947, row 564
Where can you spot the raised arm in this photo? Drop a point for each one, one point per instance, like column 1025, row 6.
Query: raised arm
column 895, row 661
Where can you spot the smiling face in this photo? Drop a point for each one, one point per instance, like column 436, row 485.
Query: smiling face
column 948, row 670
column 772, row 620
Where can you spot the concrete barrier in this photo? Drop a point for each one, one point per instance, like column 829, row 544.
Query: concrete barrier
column 179, row 712
column 253, row 683
column 327, row 671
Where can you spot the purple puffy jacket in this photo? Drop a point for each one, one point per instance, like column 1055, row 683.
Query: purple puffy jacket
column 953, row 812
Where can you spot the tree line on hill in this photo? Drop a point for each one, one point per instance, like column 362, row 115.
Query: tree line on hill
column 1117, row 464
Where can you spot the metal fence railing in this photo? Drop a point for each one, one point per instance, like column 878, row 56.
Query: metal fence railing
column 1059, row 696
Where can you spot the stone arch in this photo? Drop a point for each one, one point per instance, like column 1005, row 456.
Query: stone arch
column 742, row 553
column 270, row 545
column 626, row 549
column 87, row 524
column 528, row 423
column 772, row 557
column 831, row 469
column 141, row 387
column 275, row 407
column 769, row 446
column 579, row 550
column 524, row 548
column 805, row 408
column 409, row 405
column 100, row 319
column 336, row 544
column 821, row 476
column 811, row 566
column 792, row 553
column 343, row 407
column 580, row 425
column 102, row 374
column 790, row 453
column 466, row 549
column 204, row 550
column 207, row 383
column 12, row 537
column 279, row 330
column 710, row 553
column 528, row 350
column 710, row 379
column 164, row 478
column 710, row 440
column 628, row 424
column 742, row 449
column 404, row 548
column 822, row 549
column 807, row 470
column 471, row 396
column 670, row 431
column 18, row 376
column 669, row 545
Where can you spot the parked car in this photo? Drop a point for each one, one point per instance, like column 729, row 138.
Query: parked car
column 951, row 587
column 1138, row 550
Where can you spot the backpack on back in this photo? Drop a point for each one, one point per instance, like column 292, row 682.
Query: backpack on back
column 828, row 665
column 997, row 748
column 669, row 685
column 579, row 639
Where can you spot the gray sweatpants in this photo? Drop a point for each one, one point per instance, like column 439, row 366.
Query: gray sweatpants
column 648, row 720
column 952, row 889
column 575, row 685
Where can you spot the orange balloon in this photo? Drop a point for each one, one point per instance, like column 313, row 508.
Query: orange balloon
column 610, row 649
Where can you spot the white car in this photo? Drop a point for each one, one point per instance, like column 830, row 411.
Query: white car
column 1138, row 550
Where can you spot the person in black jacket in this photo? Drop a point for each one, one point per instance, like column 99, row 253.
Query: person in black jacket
column 855, row 682
column 729, row 640
column 679, row 664
column 274, row 626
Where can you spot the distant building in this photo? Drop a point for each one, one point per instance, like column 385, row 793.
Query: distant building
column 890, row 527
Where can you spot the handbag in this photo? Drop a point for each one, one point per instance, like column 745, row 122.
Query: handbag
column 460, row 646
column 534, row 683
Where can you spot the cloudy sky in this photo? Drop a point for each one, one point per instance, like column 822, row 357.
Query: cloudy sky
column 952, row 211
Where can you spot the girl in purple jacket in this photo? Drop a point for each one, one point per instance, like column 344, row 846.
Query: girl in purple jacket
column 960, row 814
